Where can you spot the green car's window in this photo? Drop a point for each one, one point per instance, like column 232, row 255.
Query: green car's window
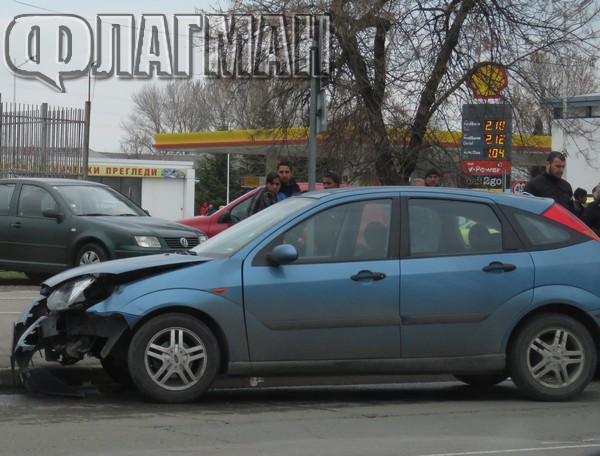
column 94, row 201
column 33, row 201
column 6, row 193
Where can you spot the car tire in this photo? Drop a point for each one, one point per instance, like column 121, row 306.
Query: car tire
column 117, row 370
column 91, row 253
column 481, row 380
column 173, row 358
column 552, row 358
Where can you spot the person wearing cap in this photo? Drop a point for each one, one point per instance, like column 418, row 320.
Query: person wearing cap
column 432, row 178
column 331, row 179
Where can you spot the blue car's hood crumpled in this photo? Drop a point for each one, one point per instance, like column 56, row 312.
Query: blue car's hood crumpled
column 161, row 261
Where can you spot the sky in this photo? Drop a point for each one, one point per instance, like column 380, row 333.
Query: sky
column 110, row 97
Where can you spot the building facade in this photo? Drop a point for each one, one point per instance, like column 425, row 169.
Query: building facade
column 576, row 133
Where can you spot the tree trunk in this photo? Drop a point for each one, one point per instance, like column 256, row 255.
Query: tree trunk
column 428, row 96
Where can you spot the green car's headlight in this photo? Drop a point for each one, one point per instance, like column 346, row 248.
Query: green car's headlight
column 69, row 294
column 148, row 241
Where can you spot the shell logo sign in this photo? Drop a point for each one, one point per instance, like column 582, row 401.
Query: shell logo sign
column 488, row 80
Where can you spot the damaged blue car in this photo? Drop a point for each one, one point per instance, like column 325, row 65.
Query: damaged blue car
column 357, row 281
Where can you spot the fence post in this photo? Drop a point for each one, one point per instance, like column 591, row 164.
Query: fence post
column 86, row 137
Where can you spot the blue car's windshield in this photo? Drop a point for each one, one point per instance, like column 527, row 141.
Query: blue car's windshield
column 231, row 240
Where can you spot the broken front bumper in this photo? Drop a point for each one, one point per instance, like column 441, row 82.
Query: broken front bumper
column 26, row 335
column 65, row 337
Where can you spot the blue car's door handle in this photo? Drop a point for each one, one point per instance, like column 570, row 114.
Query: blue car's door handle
column 363, row 275
column 497, row 266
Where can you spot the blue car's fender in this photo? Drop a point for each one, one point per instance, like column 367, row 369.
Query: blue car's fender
column 225, row 312
column 562, row 295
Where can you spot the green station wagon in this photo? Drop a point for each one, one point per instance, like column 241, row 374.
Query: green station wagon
column 49, row 225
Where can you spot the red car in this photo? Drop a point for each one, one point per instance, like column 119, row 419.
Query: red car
column 231, row 214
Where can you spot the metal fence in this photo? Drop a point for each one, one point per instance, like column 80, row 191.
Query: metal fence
column 41, row 141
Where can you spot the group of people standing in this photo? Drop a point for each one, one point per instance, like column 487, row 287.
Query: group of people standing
column 206, row 209
column 281, row 185
column 550, row 184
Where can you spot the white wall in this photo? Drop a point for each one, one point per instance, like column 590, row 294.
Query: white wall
column 582, row 144
column 165, row 197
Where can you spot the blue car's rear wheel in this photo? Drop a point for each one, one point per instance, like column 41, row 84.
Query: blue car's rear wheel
column 173, row 358
column 552, row 358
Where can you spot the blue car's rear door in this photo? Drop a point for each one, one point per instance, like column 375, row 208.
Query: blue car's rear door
column 462, row 285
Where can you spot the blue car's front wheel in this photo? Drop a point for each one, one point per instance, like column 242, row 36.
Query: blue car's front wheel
column 173, row 358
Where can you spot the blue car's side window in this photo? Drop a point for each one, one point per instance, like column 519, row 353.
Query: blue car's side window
column 348, row 232
column 447, row 227
column 542, row 233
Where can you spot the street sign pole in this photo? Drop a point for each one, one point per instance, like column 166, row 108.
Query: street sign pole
column 312, row 138
column 318, row 101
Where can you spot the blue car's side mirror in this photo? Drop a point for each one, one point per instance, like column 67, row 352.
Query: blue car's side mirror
column 282, row 254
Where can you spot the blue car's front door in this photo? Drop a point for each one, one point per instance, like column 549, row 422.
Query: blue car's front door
column 339, row 300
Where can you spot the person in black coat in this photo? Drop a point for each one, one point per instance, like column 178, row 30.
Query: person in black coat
column 289, row 187
column 266, row 196
column 550, row 183
column 591, row 213
column 580, row 201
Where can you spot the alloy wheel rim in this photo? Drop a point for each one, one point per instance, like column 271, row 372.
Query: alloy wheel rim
column 89, row 258
column 555, row 358
column 175, row 359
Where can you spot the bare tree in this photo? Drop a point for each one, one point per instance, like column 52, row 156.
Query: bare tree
column 179, row 106
column 404, row 63
column 548, row 77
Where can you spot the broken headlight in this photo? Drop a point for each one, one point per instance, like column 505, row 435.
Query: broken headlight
column 70, row 293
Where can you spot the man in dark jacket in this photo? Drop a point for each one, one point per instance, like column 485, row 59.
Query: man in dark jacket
column 579, row 201
column 266, row 196
column 432, row 178
column 289, row 187
column 550, row 183
column 591, row 213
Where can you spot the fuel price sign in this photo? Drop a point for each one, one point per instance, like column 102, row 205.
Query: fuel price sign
column 487, row 136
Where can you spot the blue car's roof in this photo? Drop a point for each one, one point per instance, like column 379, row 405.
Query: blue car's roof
column 525, row 202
